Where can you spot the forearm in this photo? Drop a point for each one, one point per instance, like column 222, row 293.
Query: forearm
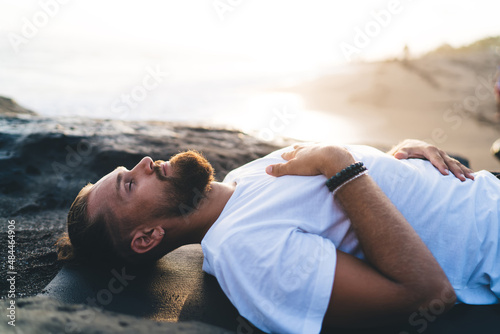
column 389, row 242
column 401, row 275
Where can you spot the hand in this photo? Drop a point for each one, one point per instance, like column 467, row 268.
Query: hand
column 412, row 148
column 312, row 160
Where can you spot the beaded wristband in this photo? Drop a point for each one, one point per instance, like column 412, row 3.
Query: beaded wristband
column 346, row 175
column 346, row 182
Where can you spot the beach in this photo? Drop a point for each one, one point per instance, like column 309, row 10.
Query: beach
column 444, row 98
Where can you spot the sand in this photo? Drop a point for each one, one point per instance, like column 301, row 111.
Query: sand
column 445, row 99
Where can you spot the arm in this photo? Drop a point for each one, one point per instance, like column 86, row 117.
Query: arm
column 402, row 275
column 412, row 148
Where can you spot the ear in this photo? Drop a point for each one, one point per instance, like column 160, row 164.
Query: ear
column 146, row 239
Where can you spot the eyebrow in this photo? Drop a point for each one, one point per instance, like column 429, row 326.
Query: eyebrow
column 119, row 178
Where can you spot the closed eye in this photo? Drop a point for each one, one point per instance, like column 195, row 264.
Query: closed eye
column 130, row 185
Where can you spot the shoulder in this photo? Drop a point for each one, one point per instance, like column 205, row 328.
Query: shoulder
column 279, row 273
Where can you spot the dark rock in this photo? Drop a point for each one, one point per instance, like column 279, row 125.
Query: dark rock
column 10, row 108
column 32, row 170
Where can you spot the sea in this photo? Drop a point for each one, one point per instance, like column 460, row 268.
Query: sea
column 143, row 83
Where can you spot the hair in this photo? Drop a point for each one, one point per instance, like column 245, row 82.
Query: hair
column 89, row 237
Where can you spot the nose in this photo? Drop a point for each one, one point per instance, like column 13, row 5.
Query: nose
column 145, row 165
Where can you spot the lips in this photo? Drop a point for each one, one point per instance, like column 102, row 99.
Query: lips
column 165, row 168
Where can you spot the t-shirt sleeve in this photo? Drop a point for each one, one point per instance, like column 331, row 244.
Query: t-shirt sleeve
column 281, row 282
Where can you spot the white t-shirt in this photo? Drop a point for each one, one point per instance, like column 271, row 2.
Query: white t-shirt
column 272, row 249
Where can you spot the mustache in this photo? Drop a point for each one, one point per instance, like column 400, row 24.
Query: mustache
column 159, row 172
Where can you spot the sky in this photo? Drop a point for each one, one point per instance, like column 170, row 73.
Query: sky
column 218, row 58
column 285, row 33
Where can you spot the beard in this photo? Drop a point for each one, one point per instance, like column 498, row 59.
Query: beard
column 188, row 185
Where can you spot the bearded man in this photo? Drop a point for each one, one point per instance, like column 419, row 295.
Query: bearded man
column 395, row 236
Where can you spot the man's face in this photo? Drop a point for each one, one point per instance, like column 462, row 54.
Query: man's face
column 152, row 190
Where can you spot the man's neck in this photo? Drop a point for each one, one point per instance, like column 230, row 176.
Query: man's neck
column 208, row 211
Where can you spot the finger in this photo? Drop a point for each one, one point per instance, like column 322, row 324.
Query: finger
column 456, row 169
column 271, row 169
column 469, row 175
column 407, row 153
column 438, row 161
column 460, row 171
column 289, row 155
column 401, row 155
column 466, row 171
column 278, row 169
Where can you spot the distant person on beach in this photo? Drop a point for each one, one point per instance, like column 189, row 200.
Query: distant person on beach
column 406, row 53
column 309, row 236
column 497, row 90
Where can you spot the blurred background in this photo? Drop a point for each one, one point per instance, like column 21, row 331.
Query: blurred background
column 353, row 71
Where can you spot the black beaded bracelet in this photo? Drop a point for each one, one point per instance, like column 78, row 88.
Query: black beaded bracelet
column 346, row 175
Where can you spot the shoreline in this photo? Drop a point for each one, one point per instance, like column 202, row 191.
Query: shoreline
column 446, row 100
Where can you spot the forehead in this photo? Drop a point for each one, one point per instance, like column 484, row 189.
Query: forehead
column 104, row 192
